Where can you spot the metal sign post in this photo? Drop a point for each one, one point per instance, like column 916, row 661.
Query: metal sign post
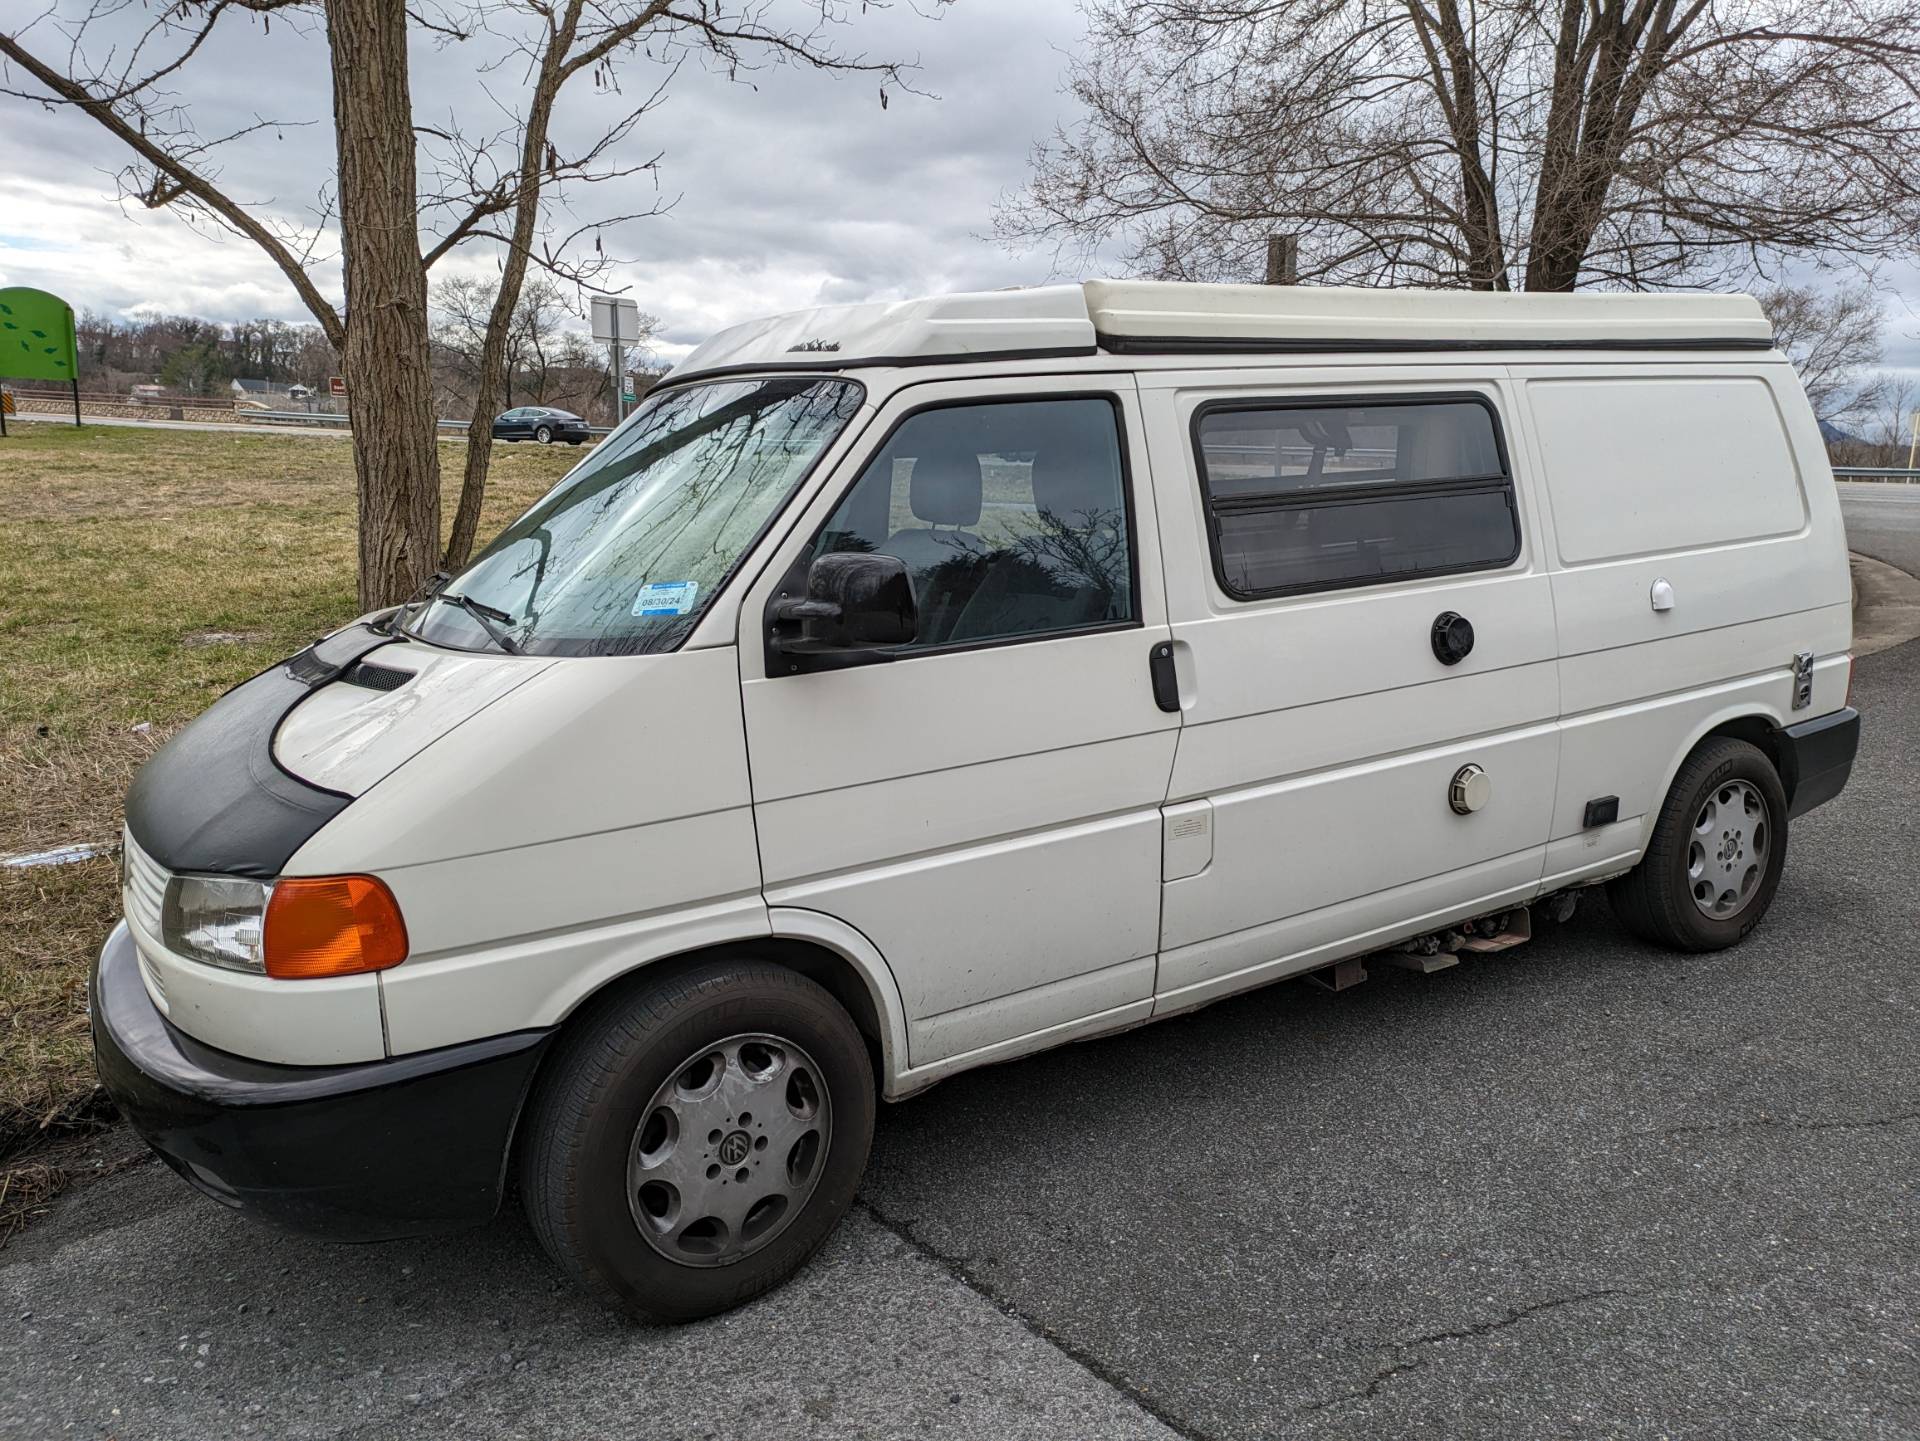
column 616, row 320
column 619, row 371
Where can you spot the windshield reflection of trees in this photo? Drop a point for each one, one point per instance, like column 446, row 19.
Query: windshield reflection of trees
column 685, row 492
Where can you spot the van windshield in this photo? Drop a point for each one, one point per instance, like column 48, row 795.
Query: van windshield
column 624, row 555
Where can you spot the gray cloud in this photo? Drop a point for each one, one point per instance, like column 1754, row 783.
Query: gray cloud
column 788, row 187
column 791, row 188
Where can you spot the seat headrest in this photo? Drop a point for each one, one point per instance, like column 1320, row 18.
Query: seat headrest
column 944, row 488
column 1073, row 485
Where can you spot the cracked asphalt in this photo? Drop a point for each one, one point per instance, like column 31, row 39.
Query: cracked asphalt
column 1582, row 1187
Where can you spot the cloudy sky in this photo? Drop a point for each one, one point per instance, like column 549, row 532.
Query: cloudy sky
column 789, row 188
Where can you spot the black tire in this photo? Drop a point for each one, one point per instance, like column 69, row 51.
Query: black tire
column 575, row 440
column 544, row 435
column 594, row 1093
column 1655, row 900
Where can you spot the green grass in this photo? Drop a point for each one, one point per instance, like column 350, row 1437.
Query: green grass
column 142, row 573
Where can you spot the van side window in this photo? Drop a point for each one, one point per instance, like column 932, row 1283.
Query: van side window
column 1316, row 496
column 1011, row 517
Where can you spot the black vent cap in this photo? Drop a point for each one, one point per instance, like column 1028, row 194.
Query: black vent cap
column 376, row 677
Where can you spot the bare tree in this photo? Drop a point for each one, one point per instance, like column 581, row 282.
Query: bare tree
column 494, row 187
column 1833, row 339
column 1881, row 429
column 1497, row 144
column 543, row 343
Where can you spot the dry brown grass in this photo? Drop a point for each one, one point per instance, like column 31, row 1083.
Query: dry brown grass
column 142, row 573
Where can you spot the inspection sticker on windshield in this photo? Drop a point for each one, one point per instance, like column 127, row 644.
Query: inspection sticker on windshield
column 669, row 597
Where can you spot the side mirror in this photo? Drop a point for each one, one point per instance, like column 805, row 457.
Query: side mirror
column 855, row 601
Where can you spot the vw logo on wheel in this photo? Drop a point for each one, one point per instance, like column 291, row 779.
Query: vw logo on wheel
column 735, row 1147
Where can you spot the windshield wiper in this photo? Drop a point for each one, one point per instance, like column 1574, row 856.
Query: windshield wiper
column 490, row 619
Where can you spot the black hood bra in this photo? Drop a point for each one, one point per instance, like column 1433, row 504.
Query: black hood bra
column 214, row 800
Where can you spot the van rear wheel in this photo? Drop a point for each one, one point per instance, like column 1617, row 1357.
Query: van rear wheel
column 696, row 1140
column 1717, row 851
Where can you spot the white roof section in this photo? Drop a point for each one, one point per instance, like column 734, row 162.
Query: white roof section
column 1303, row 316
column 1174, row 316
column 1046, row 319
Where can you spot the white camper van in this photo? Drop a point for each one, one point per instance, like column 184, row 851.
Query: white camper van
column 908, row 687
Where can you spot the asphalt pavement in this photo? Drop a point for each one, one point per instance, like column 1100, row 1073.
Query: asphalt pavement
column 1583, row 1187
column 1883, row 521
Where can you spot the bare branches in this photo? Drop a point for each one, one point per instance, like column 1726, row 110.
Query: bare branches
column 1485, row 142
column 1833, row 339
column 175, row 173
column 505, row 187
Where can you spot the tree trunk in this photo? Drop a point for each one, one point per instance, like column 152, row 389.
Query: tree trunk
column 495, row 364
column 396, row 457
column 1455, row 83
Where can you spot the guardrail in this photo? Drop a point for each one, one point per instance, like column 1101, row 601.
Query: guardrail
column 293, row 417
column 302, row 417
column 1894, row 475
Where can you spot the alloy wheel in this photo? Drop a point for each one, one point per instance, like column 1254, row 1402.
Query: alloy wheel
column 1727, row 852
column 729, row 1150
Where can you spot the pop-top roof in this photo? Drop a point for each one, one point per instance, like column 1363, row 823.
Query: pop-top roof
column 1136, row 316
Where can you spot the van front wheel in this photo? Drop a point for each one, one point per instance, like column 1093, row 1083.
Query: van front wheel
column 697, row 1140
column 1717, row 850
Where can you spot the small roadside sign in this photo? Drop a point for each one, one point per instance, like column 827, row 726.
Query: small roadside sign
column 616, row 322
column 336, row 385
column 616, row 319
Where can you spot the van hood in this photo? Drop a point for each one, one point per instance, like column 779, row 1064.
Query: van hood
column 387, row 707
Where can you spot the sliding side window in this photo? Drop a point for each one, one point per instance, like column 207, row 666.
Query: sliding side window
column 1316, row 496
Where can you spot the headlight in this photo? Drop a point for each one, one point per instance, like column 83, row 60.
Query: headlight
column 216, row 919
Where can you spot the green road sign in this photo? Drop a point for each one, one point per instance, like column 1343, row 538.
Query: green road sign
column 36, row 336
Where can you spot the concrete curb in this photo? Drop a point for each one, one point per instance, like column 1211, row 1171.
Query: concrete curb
column 1886, row 605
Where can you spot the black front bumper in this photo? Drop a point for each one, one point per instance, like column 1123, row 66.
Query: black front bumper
column 365, row 1152
column 1817, row 758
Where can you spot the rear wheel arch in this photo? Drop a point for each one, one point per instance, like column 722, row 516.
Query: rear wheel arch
column 1754, row 724
column 1762, row 732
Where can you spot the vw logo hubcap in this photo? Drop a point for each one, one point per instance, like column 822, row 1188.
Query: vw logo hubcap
column 735, row 1148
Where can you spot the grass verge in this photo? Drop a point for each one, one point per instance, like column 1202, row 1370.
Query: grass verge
column 143, row 573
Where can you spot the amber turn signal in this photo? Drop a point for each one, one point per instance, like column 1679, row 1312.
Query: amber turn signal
column 332, row 926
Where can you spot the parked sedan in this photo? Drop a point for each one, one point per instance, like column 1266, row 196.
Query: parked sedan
column 539, row 422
